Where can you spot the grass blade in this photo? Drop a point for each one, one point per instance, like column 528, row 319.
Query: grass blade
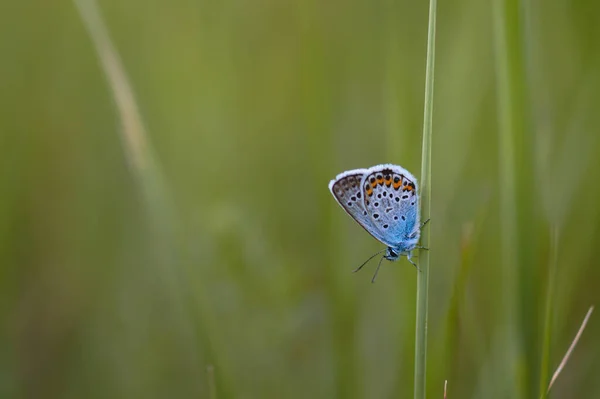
column 147, row 170
column 515, row 191
column 565, row 359
column 423, row 275
column 548, row 315
column 133, row 133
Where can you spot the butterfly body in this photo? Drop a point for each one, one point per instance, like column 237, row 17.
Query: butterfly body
column 384, row 200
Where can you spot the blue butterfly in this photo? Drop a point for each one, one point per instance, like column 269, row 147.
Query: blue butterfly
column 384, row 200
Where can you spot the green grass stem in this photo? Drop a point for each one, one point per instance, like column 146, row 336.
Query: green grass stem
column 515, row 216
column 148, row 175
column 423, row 275
column 548, row 318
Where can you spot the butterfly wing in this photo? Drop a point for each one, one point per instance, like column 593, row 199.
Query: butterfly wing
column 392, row 202
column 348, row 192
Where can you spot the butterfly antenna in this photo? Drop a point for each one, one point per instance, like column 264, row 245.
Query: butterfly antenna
column 367, row 261
column 377, row 270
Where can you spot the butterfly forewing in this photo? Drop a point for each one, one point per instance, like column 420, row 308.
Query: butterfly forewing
column 347, row 190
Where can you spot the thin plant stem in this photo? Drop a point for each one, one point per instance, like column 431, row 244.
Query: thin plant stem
column 544, row 372
column 513, row 155
column 423, row 274
column 133, row 133
column 565, row 359
column 146, row 170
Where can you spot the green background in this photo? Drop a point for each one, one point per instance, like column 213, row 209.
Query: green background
column 228, row 262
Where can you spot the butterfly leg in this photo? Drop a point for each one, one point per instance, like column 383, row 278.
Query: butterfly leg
column 413, row 235
column 423, row 224
column 413, row 263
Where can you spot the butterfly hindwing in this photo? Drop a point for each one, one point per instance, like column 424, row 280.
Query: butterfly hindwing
column 391, row 200
column 347, row 190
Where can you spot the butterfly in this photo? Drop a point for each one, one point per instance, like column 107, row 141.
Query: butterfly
column 384, row 200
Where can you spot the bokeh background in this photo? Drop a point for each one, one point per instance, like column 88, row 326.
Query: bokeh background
column 223, row 267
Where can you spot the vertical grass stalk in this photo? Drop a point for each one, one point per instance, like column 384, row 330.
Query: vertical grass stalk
column 515, row 200
column 423, row 276
column 147, row 172
column 545, row 364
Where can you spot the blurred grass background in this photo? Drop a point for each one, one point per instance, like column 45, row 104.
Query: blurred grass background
column 251, row 108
